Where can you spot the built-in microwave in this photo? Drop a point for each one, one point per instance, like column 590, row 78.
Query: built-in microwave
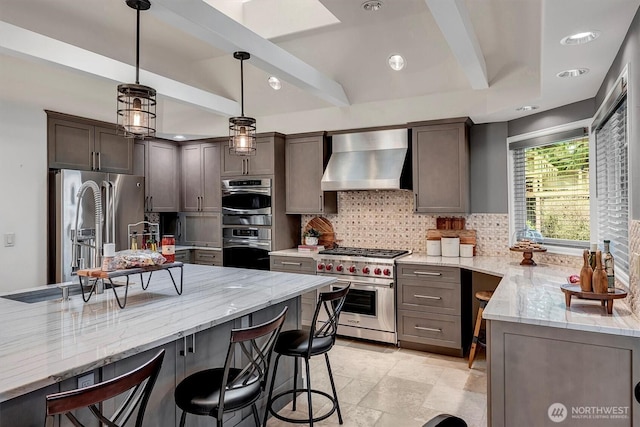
column 246, row 201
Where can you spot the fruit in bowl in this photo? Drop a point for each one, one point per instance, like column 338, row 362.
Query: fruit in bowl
column 574, row 278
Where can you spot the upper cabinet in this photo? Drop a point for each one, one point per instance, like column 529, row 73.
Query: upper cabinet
column 262, row 163
column 306, row 157
column 84, row 144
column 441, row 165
column 201, row 177
column 158, row 162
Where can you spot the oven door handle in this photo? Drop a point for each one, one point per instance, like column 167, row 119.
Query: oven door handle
column 230, row 191
column 246, row 244
column 236, row 211
column 365, row 286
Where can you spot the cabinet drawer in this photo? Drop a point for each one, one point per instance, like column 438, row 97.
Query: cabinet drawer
column 432, row 296
column 429, row 272
column 429, row 328
column 293, row 264
column 205, row 257
column 184, row 256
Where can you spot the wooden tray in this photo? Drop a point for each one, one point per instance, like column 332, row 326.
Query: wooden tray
column 527, row 254
column 571, row 290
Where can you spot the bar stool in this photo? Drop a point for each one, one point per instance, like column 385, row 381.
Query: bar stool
column 305, row 344
column 483, row 297
column 445, row 420
column 213, row 392
column 138, row 383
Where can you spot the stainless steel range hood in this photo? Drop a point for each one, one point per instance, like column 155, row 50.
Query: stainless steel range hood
column 376, row 160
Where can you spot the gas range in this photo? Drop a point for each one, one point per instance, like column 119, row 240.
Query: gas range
column 360, row 262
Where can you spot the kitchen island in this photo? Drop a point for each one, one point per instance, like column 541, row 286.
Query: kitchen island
column 45, row 346
column 548, row 363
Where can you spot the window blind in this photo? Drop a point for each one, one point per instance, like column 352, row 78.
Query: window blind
column 612, row 184
column 551, row 187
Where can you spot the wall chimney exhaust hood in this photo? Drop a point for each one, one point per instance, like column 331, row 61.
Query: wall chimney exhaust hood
column 376, row 160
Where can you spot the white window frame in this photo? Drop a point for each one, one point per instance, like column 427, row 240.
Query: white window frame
column 586, row 123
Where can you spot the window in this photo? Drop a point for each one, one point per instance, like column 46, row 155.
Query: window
column 551, row 187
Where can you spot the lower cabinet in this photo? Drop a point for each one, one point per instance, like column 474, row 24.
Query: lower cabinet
column 185, row 256
column 433, row 313
column 207, row 257
column 302, row 265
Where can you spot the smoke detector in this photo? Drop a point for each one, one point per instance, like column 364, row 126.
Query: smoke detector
column 372, row 5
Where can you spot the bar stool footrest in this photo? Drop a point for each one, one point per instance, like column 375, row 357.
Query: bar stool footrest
column 301, row 420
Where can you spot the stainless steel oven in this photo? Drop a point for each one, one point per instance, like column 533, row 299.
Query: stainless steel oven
column 370, row 308
column 246, row 247
column 246, row 202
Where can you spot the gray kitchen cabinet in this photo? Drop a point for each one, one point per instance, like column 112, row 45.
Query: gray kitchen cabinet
column 200, row 229
column 262, row 163
column 432, row 311
column 201, row 189
column 441, row 166
column 302, row 265
column 207, row 257
column 184, row 256
column 85, row 144
column 157, row 161
column 306, row 157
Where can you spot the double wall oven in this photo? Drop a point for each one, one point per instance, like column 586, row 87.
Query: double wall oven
column 246, row 222
column 369, row 310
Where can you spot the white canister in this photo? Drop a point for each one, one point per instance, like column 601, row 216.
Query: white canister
column 433, row 248
column 466, row 251
column 450, row 246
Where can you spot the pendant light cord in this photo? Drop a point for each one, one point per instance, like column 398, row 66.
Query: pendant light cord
column 242, row 86
column 138, row 46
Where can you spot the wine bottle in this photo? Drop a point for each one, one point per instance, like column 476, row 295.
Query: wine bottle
column 586, row 273
column 608, row 268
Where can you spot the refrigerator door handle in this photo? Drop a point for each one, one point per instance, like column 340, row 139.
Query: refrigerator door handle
column 112, row 202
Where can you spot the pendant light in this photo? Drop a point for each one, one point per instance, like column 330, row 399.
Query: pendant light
column 136, row 102
column 242, row 130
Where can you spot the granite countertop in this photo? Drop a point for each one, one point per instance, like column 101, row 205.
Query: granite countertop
column 294, row 252
column 532, row 295
column 46, row 342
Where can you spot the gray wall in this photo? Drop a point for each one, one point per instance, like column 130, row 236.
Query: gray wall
column 488, row 171
column 629, row 53
column 580, row 110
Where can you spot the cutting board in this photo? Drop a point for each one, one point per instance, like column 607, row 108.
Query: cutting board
column 324, row 226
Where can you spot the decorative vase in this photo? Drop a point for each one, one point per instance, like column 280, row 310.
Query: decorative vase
column 599, row 279
column 586, row 273
column 311, row 241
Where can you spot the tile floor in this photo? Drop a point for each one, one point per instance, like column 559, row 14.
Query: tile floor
column 381, row 385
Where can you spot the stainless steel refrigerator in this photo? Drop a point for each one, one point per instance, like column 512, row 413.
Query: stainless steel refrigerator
column 122, row 200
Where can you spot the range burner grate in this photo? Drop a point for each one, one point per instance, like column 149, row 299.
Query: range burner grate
column 364, row 252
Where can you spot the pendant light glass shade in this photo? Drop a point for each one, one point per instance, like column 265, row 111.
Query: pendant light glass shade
column 242, row 130
column 136, row 102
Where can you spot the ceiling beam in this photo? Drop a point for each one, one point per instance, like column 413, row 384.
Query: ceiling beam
column 17, row 41
column 453, row 19
column 206, row 23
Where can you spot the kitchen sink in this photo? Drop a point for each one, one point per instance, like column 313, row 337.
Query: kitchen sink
column 41, row 295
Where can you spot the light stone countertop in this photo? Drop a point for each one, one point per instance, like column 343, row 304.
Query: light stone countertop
column 532, row 295
column 294, row 252
column 46, row 342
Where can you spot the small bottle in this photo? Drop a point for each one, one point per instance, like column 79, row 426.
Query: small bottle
column 608, row 267
column 592, row 255
column 134, row 241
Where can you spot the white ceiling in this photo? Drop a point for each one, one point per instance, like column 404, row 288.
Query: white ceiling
column 330, row 55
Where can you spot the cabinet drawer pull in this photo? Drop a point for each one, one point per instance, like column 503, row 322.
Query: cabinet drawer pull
column 427, row 297
column 206, row 256
column 297, row 264
column 426, row 273
column 422, row 328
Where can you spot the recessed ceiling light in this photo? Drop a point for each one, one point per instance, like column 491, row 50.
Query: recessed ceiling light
column 580, row 38
column 396, row 62
column 573, row 73
column 527, row 108
column 275, row 83
column 180, row 137
column 372, row 5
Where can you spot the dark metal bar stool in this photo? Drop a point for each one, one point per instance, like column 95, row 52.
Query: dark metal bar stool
column 138, row 383
column 483, row 297
column 305, row 344
column 213, row 392
column 445, row 420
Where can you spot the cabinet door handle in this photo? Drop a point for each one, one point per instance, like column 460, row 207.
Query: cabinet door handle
column 93, row 160
column 422, row 328
column 99, row 160
column 298, row 264
column 201, row 203
column 183, row 352
column 426, row 273
column 321, row 207
column 427, row 297
column 192, row 349
column 415, row 202
column 151, row 203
